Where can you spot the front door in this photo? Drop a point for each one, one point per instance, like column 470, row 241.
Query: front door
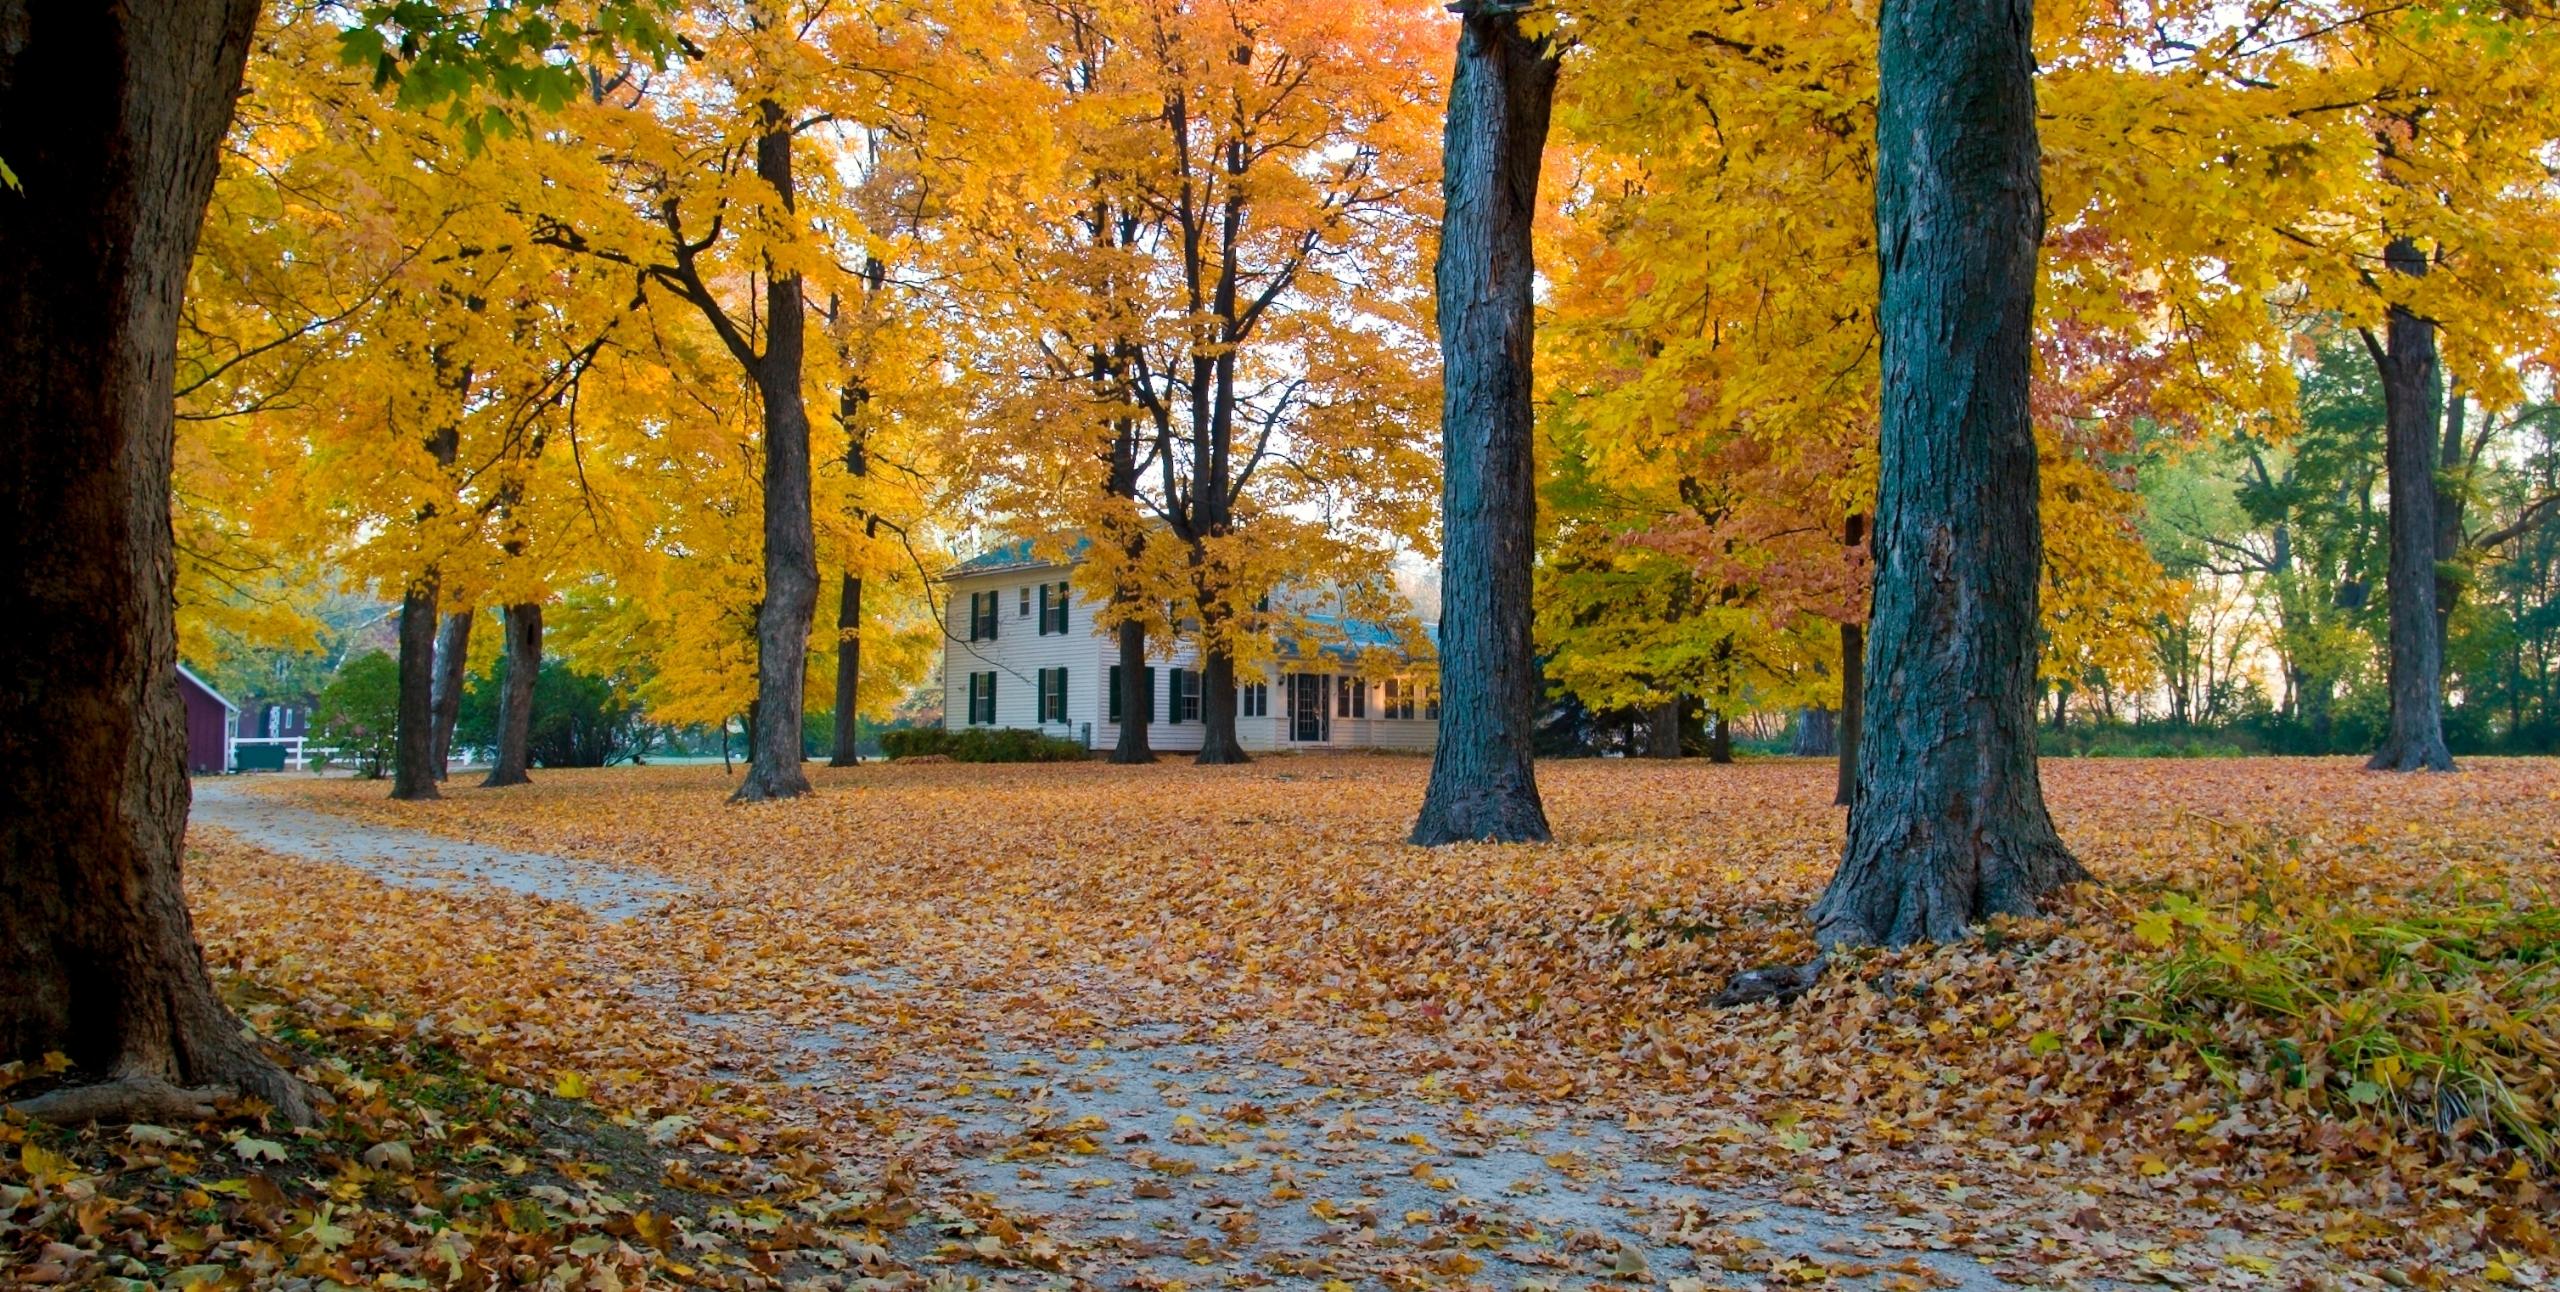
column 1306, row 707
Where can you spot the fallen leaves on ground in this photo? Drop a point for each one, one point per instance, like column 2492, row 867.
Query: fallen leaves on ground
column 2015, row 1093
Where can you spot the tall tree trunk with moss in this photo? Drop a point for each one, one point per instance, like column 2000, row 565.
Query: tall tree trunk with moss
column 112, row 117
column 1483, row 781
column 2411, row 397
column 514, row 763
column 1949, row 825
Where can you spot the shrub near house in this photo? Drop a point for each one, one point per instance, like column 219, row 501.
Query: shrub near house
column 360, row 713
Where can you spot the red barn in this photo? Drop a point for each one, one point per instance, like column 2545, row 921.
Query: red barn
column 209, row 719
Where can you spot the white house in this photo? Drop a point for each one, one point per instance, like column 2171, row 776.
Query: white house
column 1020, row 649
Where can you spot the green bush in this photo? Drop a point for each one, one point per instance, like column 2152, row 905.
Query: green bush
column 980, row 745
column 359, row 713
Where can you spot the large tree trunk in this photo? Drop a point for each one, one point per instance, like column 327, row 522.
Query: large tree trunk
column 1817, row 733
column 1719, row 738
column 1662, row 729
column 413, row 763
column 1132, row 746
column 112, row 116
column 1853, row 711
column 847, row 747
column 1218, row 743
column 2410, row 391
column 515, row 703
column 1483, row 782
column 453, row 669
column 790, row 540
column 1949, row 825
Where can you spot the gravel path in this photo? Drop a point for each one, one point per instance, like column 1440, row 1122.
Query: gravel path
column 414, row 859
column 1163, row 1157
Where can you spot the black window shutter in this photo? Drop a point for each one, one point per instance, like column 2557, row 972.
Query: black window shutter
column 1147, row 699
column 1111, row 699
column 1044, row 622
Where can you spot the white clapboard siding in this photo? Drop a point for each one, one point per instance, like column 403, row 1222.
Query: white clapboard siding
column 1019, row 651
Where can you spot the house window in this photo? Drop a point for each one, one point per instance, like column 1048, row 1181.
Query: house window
column 1184, row 705
column 1350, row 698
column 982, row 616
column 982, row 698
column 1026, row 603
column 1146, row 696
column 1053, row 695
column 1399, row 699
column 1431, row 701
column 1053, row 608
column 1253, row 700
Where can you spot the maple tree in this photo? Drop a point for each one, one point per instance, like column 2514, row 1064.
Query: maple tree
column 1483, row 781
column 1212, row 335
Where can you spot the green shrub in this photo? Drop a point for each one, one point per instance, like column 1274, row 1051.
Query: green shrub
column 2432, row 1008
column 981, row 745
column 359, row 713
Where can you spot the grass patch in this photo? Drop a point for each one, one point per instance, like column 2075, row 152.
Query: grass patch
column 2432, row 1008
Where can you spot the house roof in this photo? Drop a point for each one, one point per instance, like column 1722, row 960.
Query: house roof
column 206, row 687
column 1019, row 555
column 1356, row 635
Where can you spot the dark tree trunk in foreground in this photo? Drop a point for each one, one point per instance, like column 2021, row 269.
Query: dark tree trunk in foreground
column 111, row 116
column 1132, row 747
column 453, row 668
column 1662, row 729
column 1949, row 826
column 1218, row 743
column 790, row 538
column 1483, row 783
column 2411, row 393
column 413, row 765
column 847, row 747
column 1853, row 705
column 1719, row 738
column 515, row 703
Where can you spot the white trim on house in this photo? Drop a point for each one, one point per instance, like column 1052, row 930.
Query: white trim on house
column 1021, row 663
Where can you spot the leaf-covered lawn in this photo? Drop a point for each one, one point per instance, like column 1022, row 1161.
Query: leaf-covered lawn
column 2111, row 1092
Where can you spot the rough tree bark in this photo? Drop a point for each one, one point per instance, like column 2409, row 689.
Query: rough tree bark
column 1483, row 781
column 1662, row 729
column 413, row 770
column 2411, row 396
column 453, row 666
column 1218, row 743
column 1817, row 733
column 1132, row 747
column 512, row 766
column 1949, row 826
column 790, row 539
column 112, row 116
column 846, row 749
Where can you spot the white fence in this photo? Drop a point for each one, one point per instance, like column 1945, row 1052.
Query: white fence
column 298, row 753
